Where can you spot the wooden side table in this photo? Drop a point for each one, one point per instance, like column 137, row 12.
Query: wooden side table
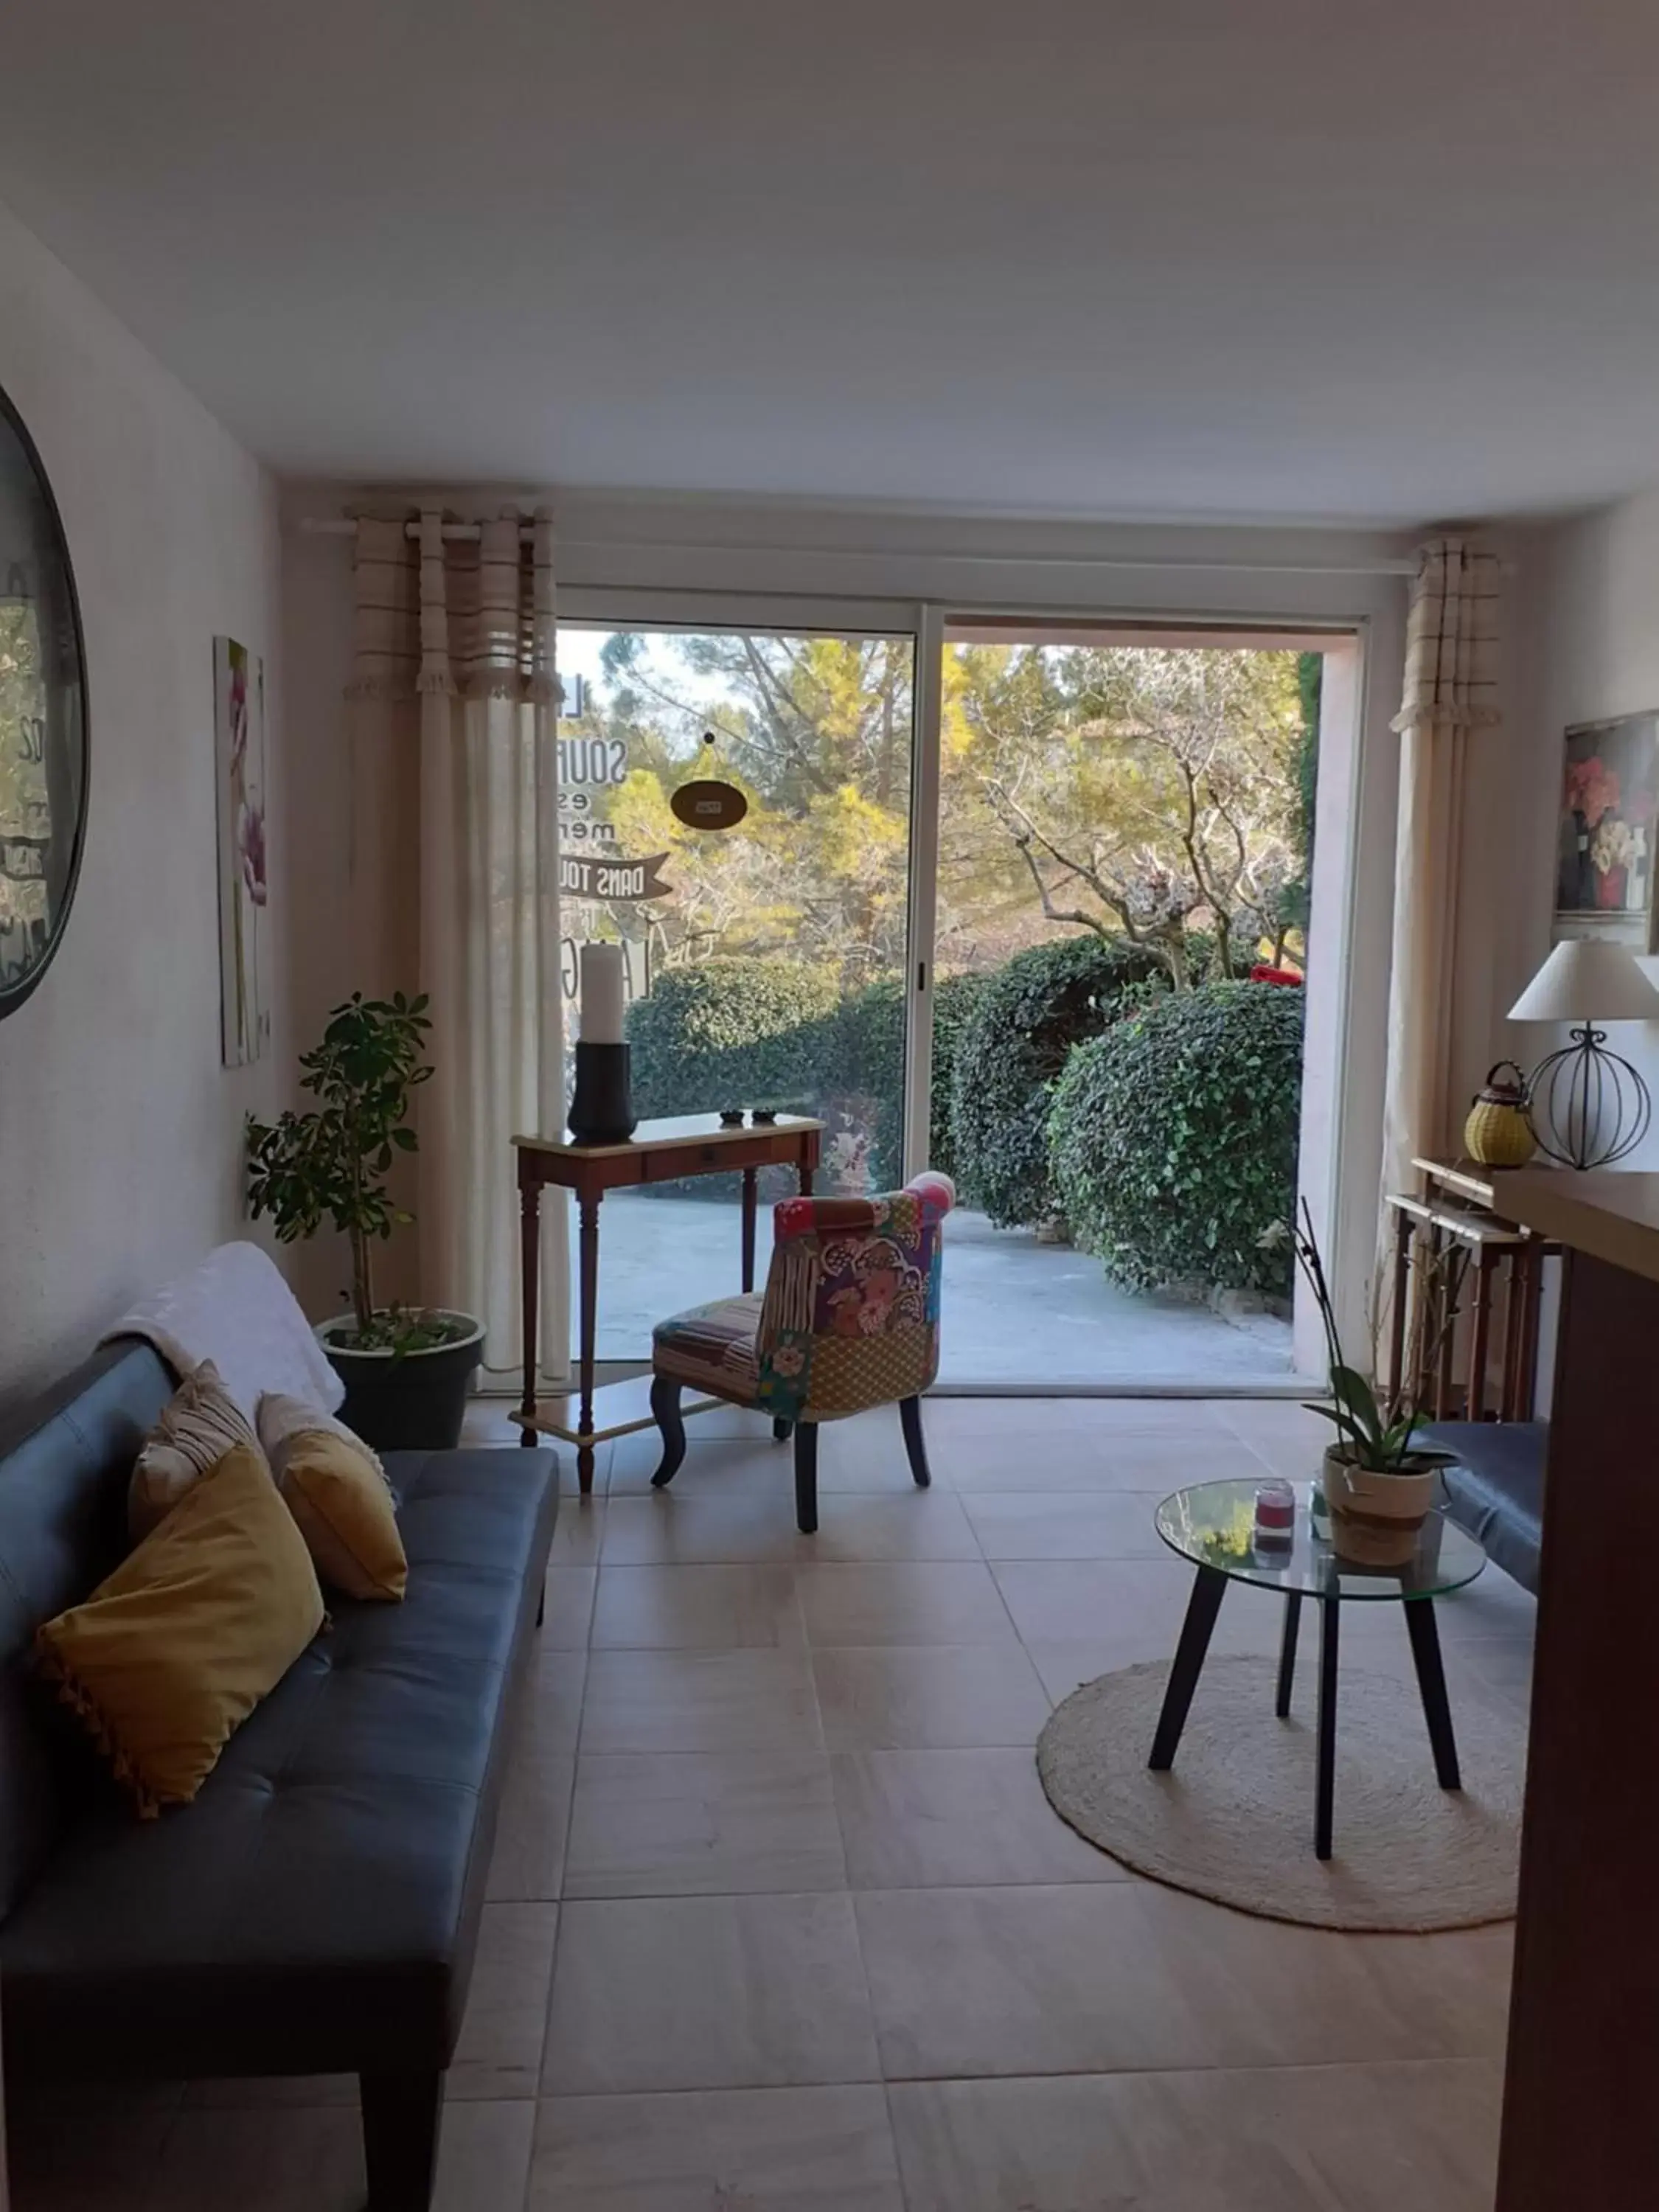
column 1458, row 1208
column 657, row 1152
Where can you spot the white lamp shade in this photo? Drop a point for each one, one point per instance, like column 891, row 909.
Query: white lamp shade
column 1587, row 980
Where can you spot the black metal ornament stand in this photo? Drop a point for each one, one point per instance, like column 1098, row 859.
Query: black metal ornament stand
column 601, row 1111
column 1589, row 1108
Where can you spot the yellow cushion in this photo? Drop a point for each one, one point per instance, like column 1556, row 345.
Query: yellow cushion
column 170, row 1655
column 199, row 1423
column 342, row 1505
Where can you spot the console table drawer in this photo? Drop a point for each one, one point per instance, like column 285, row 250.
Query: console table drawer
column 719, row 1156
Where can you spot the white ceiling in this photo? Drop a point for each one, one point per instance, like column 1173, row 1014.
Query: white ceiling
column 1376, row 259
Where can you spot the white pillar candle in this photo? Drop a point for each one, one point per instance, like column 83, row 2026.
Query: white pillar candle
column 602, row 994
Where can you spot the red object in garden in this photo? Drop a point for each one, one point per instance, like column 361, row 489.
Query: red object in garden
column 1265, row 974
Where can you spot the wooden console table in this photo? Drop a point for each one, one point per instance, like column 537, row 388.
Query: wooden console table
column 657, row 1152
column 1462, row 1207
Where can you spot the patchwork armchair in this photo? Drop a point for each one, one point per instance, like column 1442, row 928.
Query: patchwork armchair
column 848, row 1319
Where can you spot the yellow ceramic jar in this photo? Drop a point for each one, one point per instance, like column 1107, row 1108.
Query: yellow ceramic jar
column 1498, row 1132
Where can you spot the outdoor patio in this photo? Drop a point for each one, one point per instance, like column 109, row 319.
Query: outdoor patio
column 1015, row 1311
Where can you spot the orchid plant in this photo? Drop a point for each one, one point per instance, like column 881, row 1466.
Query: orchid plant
column 1376, row 1433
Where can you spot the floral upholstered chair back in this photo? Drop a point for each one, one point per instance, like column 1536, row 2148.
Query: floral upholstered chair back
column 850, row 1318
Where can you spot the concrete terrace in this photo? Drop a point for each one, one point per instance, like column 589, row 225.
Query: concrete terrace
column 1015, row 1311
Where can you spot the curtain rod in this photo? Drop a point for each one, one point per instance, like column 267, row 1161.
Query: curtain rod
column 342, row 526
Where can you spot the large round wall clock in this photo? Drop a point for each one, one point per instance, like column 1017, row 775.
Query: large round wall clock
column 43, row 719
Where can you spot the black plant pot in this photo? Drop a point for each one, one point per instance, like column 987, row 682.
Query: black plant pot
column 416, row 1403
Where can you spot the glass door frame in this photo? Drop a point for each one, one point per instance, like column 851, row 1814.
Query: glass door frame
column 792, row 614
column 1333, row 1182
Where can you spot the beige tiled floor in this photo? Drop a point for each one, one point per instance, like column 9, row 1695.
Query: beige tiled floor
column 779, row 1920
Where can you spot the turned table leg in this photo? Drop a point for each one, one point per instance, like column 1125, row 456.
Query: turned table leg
column 590, row 1308
column 1474, row 1396
column 530, row 1257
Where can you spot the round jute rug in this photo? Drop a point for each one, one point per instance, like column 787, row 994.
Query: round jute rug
column 1233, row 1819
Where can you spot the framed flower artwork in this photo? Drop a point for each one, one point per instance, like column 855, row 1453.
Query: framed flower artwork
column 1604, row 867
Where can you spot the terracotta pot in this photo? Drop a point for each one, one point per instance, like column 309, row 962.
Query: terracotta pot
column 1376, row 1519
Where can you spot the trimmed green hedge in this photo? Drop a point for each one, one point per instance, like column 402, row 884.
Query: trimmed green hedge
column 746, row 1032
column 1173, row 1138
column 955, row 1002
column 730, row 1032
column 867, row 1049
column 1011, row 1046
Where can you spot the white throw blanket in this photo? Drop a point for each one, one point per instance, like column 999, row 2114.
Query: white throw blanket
column 236, row 1310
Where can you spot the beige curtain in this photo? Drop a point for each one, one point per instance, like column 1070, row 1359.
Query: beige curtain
column 455, row 874
column 1450, row 689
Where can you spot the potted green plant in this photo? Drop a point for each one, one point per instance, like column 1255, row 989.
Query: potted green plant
column 1379, row 1480
column 406, row 1369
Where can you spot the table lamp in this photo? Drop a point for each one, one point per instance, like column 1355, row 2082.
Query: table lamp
column 1589, row 1108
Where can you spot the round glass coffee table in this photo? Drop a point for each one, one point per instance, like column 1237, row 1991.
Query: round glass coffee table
column 1213, row 1526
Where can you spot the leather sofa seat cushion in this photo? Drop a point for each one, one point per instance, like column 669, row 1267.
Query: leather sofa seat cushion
column 319, row 1899
column 1495, row 1488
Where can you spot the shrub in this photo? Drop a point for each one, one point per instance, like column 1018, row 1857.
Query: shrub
column 867, row 1056
column 955, row 1000
column 331, row 1162
column 731, row 1032
column 1174, row 1139
column 1011, row 1048
column 860, row 1068
column 746, row 1032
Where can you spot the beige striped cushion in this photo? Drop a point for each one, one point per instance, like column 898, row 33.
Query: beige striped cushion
column 199, row 1425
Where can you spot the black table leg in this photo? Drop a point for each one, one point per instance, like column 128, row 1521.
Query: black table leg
column 1330, row 1611
column 1208, row 1590
column 1287, row 1653
column 1432, row 1681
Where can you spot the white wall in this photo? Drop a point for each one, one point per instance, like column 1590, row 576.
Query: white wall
column 120, row 1134
column 625, row 558
column 1591, row 606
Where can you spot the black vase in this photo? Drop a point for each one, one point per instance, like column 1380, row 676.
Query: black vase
column 601, row 1112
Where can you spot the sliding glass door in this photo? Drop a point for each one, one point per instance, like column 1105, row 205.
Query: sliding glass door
column 969, row 847
column 1124, row 840
column 768, row 962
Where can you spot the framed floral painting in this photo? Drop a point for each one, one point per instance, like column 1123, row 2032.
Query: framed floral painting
column 238, row 699
column 1604, row 866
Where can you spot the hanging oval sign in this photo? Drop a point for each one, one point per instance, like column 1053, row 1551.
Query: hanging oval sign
column 704, row 804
